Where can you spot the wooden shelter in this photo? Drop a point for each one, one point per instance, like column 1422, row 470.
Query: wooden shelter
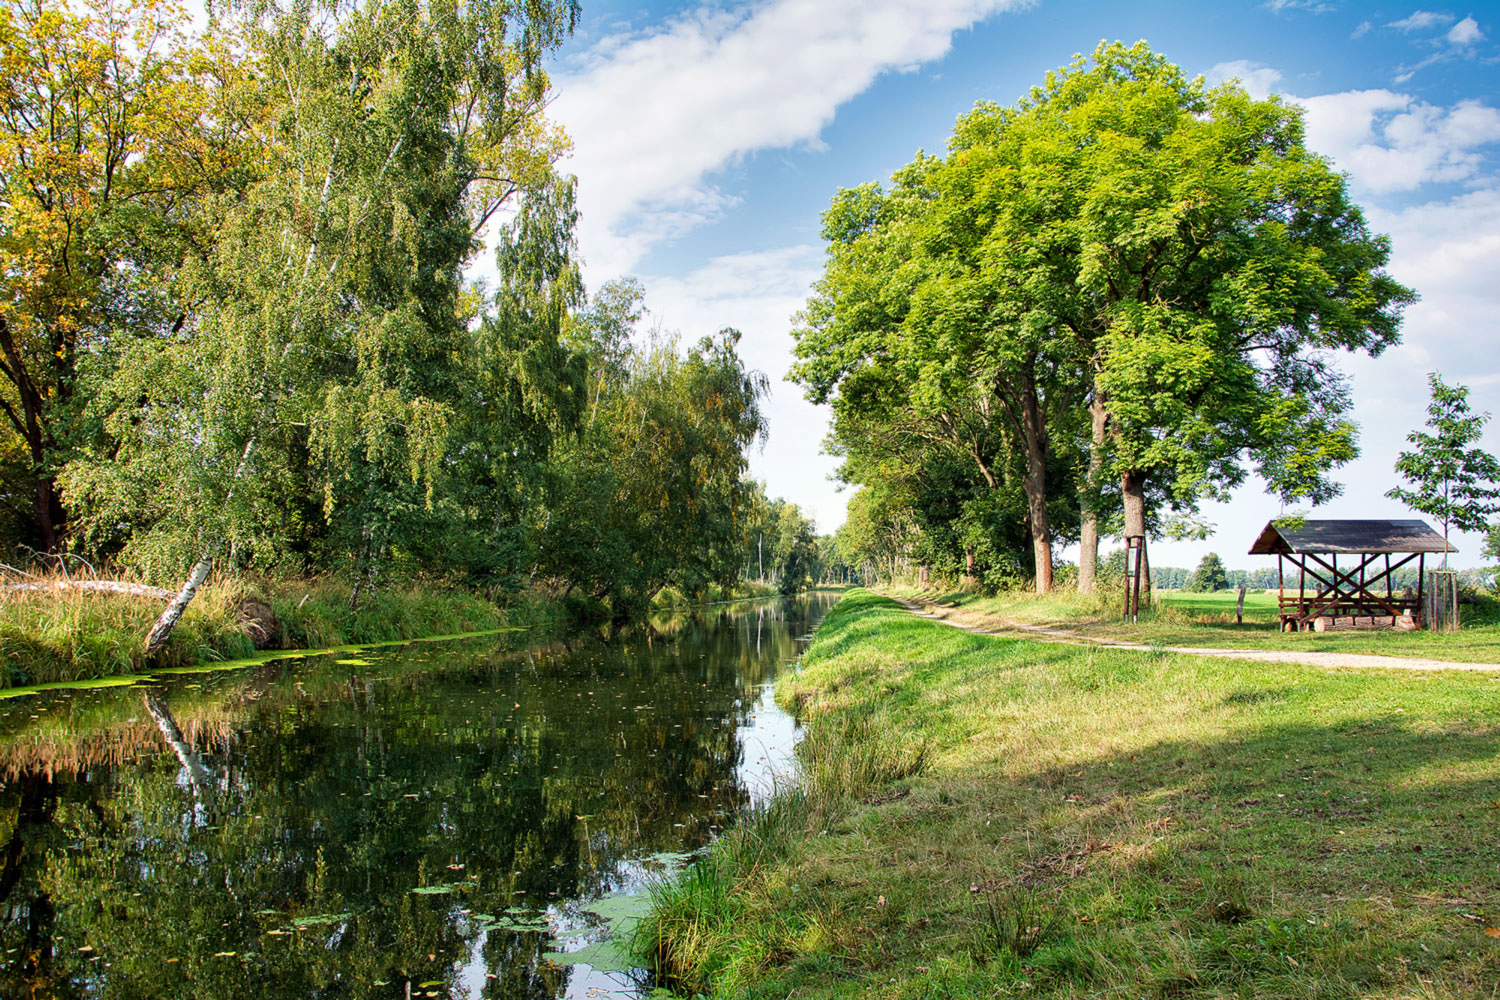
column 1361, row 593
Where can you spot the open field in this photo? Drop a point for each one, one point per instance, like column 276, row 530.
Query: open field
column 1189, row 619
column 986, row 816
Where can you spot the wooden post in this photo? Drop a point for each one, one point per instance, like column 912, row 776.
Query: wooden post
column 1239, row 607
column 1281, row 590
column 1421, row 579
column 1135, row 601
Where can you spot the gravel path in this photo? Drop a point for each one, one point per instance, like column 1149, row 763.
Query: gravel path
column 938, row 613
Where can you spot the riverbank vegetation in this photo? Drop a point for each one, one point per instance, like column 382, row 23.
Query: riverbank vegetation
column 238, row 343
column 985, row 816
column 53, row 636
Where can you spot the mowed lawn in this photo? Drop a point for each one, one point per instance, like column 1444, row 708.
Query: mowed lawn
column 984, row 817
column 1188, row 619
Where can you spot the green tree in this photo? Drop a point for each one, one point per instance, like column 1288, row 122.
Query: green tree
column 1126, row 271
column 1451, row 481
column 1210, row 575
column 1205, row 262
column 652, row 492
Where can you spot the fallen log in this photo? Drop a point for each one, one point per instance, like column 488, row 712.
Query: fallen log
column 101, row 586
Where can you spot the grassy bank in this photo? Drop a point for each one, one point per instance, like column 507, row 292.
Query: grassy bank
column 51, row 637
column 1189, row 619
column 991, row 817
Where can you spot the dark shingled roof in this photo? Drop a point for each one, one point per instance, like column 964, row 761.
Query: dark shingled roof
column 1300, row 535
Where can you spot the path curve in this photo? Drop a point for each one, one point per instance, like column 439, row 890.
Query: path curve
column 1311, row 658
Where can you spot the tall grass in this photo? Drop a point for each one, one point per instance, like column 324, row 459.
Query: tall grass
column 1061, row 821
column 684, row 940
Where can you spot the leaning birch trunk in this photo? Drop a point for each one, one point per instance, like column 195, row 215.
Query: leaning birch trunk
column 1088, row 534
column 162, row 630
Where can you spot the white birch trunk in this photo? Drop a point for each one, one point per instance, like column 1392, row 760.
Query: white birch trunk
column 162, row 630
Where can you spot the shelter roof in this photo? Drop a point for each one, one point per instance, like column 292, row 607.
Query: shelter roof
column 1298, row 535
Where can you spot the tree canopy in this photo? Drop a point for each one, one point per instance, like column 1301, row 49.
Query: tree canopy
column 1118, row 296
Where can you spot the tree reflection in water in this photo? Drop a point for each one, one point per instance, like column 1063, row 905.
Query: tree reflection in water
column 318, row 829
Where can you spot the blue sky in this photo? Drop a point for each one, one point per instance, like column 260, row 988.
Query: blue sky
column 708, row 138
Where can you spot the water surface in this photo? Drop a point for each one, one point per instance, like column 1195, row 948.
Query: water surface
column 456, row 819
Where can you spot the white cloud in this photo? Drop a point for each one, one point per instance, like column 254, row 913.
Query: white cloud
column 1311, row 6
column 1421, row 20
column 654, row 115
column 1258, row 80
column 1465, row 32
column 1391, row 142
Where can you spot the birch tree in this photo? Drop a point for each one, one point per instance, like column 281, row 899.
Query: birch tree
column 333, row 306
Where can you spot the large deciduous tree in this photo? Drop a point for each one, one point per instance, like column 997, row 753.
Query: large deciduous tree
column 114, row 127
column 1208, row 264
column 1126, row 267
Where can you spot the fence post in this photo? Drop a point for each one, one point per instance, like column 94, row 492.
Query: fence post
column 1239, row 607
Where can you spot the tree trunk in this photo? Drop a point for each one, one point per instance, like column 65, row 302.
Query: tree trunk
column 1133, row 489
column 1034, row 482
column 1088, row 555
column 162, row 630
column 31, row 424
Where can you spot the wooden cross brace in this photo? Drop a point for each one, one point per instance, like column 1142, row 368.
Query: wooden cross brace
column 1359, row 590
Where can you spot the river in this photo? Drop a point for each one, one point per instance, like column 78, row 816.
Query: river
column 467, row 818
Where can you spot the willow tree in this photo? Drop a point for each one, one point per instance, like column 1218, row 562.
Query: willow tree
column 653, row 492
column 328, row 351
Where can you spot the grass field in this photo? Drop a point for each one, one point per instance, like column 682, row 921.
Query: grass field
column 1188, row 619
column 984, row 817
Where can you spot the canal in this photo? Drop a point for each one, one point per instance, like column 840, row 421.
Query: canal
column 459, row 819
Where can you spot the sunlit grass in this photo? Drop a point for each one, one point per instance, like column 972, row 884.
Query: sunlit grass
column 1093, row 822
column 1183, row 618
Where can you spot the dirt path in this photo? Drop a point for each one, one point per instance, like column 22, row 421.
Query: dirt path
column 951, row 616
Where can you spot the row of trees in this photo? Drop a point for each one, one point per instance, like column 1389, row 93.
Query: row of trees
column 235, row 329
column 1107, row 303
